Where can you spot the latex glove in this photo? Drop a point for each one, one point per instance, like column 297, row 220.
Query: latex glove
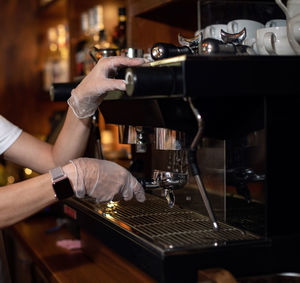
column 87, row 96
column 103, row 180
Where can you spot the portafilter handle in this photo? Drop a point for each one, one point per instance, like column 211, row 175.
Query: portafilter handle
column 168, row 181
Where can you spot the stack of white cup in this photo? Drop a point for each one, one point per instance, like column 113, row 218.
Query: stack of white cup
column 273, row 39
column 292, row 13
column 276, row 37
column 235, row 26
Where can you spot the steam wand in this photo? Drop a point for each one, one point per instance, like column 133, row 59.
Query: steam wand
column 94, row 148
column 98, row 137
column 192, row 158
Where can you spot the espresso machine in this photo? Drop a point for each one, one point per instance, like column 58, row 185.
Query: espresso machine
column 218, row 162
column 213, row 135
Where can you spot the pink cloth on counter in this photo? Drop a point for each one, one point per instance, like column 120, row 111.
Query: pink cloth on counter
column 69, row 244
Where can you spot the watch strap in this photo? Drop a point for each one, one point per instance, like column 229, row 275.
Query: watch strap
column 61, row 184
column 57, row 174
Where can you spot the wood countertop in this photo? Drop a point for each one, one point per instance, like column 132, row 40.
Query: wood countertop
column 60, row 265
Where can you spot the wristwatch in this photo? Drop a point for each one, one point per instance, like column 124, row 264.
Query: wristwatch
column 61, row 184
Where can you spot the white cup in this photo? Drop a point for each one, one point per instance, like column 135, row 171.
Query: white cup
column 293, row 31
column 214, row 31
column 273, row 41
column 275, row 23
column 251, row 28
column 291, row 9
column 292, row 13
column 294, row 24
column 236, row 26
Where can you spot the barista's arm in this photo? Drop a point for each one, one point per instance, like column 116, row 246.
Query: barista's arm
column 23, row 199
column 71, row 143
column 31, row 152
column 99, row 179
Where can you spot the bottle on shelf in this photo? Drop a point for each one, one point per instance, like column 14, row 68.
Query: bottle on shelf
column 80, row 59
column 95, row 23
column 102, row 42
column 56, row 68
column 84, row 23
column 64, row 53
column 119, row 35
column 97, row 45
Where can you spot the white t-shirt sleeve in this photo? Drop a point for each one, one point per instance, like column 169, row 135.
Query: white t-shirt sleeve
column 8, row 134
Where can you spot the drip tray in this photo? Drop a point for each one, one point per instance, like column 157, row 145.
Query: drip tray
column 169, row 229
column 169, row 244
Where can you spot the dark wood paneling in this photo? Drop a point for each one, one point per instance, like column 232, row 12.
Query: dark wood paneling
column 153, row 21
column 21, row 100
column 23, row 27
column 145, row 32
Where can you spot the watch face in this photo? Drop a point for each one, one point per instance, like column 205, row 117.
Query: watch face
column 63, row 189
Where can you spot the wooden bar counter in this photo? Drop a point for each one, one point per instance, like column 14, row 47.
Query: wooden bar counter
column 61, row 265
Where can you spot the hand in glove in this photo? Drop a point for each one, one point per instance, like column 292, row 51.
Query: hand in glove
column 102, row 180
column 87, row 96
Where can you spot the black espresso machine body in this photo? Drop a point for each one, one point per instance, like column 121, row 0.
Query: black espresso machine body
column 248, row 150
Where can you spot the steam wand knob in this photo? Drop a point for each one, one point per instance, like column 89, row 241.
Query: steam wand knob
column 162, row 50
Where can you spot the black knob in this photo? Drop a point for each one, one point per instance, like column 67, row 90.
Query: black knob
column 144, row 81
column 165, row 50
column 214, row 46
column 61, row 91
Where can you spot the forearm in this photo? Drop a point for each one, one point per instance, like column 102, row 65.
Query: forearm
column 21, row 200
column 31, row 152
column 72, row 140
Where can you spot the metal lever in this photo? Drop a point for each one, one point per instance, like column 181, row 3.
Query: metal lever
column 95, row 125
column 190, row 42
column 235, row 38
column 211, row 46
column 195, row 169
column 163, row 50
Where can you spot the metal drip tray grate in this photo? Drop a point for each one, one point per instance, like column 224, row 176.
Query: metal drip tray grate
column 168, row 228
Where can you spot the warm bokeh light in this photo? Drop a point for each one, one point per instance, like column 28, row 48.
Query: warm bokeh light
column 10, row 179
column 27, row 171
column 53, row 47
column 112, row 204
